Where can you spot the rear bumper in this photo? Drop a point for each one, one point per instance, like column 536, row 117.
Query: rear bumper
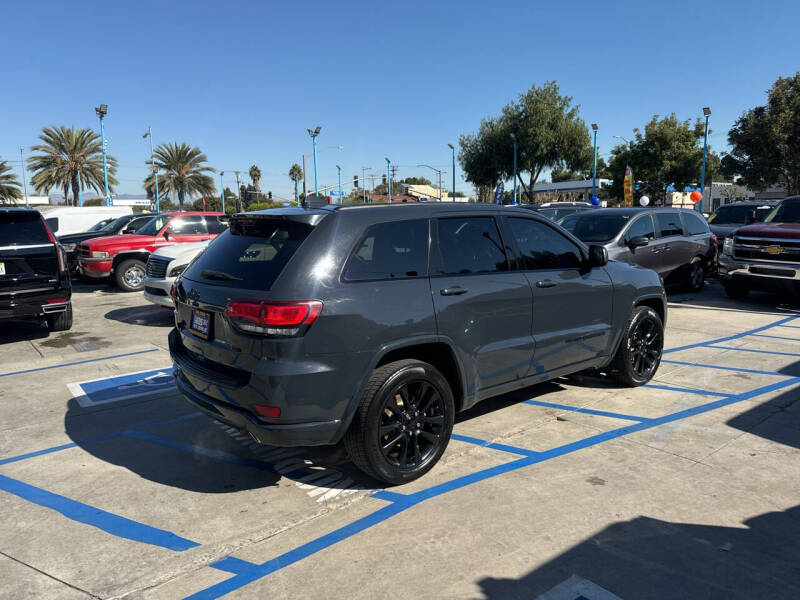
column 27, row 305
column 157, row 291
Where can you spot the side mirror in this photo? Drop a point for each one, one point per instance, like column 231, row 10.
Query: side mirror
column 168, row 232
column 637, row 242
column 598, row 256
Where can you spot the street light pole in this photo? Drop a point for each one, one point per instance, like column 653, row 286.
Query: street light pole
column 453, row 148
column 338, row 168
column 25, row 183
column 514, row 137
column 389, row 178
column 439, row 173
column 707, row 113
column 314, row 133
column 222, row 191
column 149, row 134
column 239, row 191
column 364, row 182
column 594, row 167
column 102, row 111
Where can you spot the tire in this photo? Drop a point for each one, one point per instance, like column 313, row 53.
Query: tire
column 642, row 345
column 60, row 321
column 736, row 290
column 415, row 430
column 697, row 276
column 129, row 275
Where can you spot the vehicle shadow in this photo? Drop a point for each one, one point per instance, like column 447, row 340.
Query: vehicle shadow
column 150, row 315
column 649, row 558
column 713, row 297
column 20, row 331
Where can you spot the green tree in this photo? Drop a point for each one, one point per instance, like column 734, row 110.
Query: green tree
column 667, row 152
column 417, row 181
column 549, row 134
column 295, row 174
column 561, row 174
column 255, row 177
column 9, row 185
column 182, row 171
column 765, row 140
column 63, row 153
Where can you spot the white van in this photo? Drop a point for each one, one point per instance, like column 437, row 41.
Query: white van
column 75, row 219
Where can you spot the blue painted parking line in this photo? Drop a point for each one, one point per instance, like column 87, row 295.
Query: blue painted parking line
column 90, row 515
column 776, row 337
column 587, row 411
column 123, row 387
column 493, row 445
column 683, row 390
column 756, row 351
column 781, row 323
column 234, row 565
column 79, row 362
column 720, row 367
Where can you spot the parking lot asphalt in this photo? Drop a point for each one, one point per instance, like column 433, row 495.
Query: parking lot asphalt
column 111, row 486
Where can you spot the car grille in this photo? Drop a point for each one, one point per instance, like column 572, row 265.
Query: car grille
column 775, row 250
column 157, row 267
column 83, row 251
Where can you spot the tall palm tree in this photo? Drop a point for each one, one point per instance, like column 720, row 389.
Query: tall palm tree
column 66, row 152
column 182, row 171
column 255, row 175
column 295, row 174
column 9, row 186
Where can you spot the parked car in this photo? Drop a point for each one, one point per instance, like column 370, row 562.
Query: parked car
column 676, row 243
column 558, row 210
column 164, row 266
column 764, row 256
column 375, row 324
column 63, row 220
column 34, row 281
column 729, row 217
column 125, row 224
column 123, row 257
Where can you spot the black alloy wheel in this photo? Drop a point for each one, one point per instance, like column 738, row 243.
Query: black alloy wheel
column 639, row 352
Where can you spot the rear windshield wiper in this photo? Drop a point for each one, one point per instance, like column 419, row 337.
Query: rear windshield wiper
column 209, row 274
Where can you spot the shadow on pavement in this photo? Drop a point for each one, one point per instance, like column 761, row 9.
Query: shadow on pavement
column 150, row 315
column 20, row 331
column 648, row 558
column 713, row 297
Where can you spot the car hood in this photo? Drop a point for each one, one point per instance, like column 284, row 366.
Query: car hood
column 724, row 230
column 771, row 230
column 120, row 242
column 73, row 238
column 181, row 251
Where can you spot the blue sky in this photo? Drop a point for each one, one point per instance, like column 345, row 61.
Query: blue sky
column 243, row 80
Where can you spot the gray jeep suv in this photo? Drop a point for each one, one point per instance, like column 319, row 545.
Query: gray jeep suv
column 376, row 324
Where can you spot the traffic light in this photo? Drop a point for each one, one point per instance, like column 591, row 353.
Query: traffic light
column 269, row 195
column 355, row 181
column 383, row 179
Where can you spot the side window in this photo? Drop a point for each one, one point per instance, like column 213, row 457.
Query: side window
column 215, row 225
column 542, row 247
column 695, row 225
column 469, row 245
column 669, row 223
column 395, row 250
column 52, row 224
column 641, row 227
column 189, row 225
column 135, row 224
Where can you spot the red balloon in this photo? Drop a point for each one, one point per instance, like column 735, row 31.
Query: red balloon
column 695, row 196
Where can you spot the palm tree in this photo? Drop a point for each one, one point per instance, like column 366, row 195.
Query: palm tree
column 255, row 175
column 295, row 174
column 9, row 186
column 182, row 171
column 66, row 152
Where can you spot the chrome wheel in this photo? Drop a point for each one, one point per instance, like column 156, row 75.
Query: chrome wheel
column 134, row 276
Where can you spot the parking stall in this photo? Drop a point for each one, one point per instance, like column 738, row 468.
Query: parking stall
column 112, row 485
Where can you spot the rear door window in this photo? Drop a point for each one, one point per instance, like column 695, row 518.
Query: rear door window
column 396, row 250
column 251, row 254
column 469, row 245
column 22, row 229
column 669, row 224
column 641, row 227
column 695, row 224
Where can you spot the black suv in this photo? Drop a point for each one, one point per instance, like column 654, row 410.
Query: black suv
column 378, row 323
column 33, row 277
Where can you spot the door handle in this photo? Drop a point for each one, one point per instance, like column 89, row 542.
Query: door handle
column 456, row 290
column 546, row 283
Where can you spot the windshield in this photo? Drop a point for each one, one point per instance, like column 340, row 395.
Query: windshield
column 733, row 214
column 113, row 225
column 787, row 211
column 593, row 227
column 101, row 226
column 155, row 225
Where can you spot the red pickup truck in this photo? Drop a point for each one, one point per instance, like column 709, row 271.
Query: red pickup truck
column 124, row 257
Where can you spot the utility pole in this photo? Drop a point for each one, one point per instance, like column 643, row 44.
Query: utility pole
column 305, row 193
column 364, row 182
column 338, row 168
column 389, row 176
column 453, row 148
column 25, row 183
column 239, row 190
column 707, row 113
column 149, row 134
column 594, row 167
column 222, row 190
column 102, row 111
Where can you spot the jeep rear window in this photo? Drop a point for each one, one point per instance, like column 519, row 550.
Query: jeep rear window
column 22, row 229
column 251, row 254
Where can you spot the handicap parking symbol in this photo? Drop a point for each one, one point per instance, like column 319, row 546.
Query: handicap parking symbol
column 122, row 387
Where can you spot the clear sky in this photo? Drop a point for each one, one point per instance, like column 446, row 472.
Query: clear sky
column 244, row 80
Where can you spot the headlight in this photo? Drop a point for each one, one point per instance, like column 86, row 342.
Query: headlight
column 69, row 247
column 175, row 271
column 96, row 254
column 727, row 246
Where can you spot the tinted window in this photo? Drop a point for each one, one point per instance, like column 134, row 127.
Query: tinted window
column 542, row 247
column 391, row 251
column 470, row 245
column 190, row 225
column 733, row 214
column 215, row 225
column 590, row 226
column 695, row 224
column 251, row 254
column 669, row 223
column 52, row 224
column 787, row 211
column 101, row 225
column 155, row 225
column 641, row 227
column 137, row 224
column 22, row 229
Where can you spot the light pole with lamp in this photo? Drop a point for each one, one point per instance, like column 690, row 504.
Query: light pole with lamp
column 149, row 134
column 439, row 173
column 514, row 137
column 707, row 113
column 314, row 133
column 339, row 169
column 594, row 167
column 239, row 192
column 364, row 181
column 25, row 183
column 389, row 178
column 623, row 138
column 102, row 111
column 453, row 148
column 222, row 191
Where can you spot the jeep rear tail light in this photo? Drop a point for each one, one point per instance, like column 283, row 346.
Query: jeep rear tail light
column 282, row 319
